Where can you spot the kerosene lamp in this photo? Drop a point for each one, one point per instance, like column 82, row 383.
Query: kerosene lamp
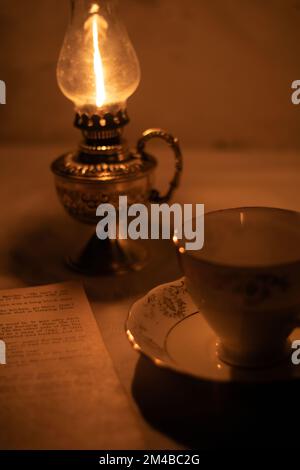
column 98, row 71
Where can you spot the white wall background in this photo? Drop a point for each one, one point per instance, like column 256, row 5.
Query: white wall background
column 215, row 72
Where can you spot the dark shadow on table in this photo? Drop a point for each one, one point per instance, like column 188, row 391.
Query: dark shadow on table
column 209, row 415
column 37, row 256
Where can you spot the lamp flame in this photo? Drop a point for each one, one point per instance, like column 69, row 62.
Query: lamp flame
column 98, row 66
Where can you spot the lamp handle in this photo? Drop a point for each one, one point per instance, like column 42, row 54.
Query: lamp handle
column 174, row 144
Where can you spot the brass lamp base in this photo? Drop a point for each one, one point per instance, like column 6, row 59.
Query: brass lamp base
column 100, row 171
column 104, row 257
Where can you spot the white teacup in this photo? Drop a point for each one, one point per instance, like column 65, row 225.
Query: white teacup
column 246, row 282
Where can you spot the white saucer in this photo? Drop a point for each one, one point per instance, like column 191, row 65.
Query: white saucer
column 167, row 327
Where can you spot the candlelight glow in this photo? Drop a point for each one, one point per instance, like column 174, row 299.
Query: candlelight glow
column 242, row 218
column 98, row 66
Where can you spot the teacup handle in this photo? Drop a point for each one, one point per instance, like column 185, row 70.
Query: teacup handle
column 174, row 144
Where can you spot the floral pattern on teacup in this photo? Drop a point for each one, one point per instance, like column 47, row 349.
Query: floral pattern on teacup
column 261, row 287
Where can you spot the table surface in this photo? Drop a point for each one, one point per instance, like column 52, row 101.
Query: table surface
column 35, row 235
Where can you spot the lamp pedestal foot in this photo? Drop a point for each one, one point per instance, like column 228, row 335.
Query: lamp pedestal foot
column 104, row 257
